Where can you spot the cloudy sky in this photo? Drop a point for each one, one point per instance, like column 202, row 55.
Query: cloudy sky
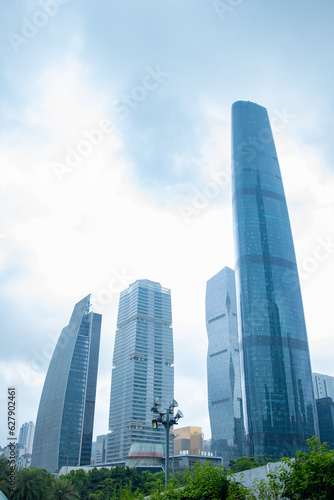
column 115, row 147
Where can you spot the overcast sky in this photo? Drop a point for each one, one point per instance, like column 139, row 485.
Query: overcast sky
column 115, row 147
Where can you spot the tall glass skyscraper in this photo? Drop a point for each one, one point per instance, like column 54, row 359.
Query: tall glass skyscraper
column 223, row 368
column 142, row 367
column 278, row 401
column 64, row 426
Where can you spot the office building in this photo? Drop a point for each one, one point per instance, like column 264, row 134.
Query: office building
column 100, row 449
column 142, row 367
column 26, row 436
column 223, row 368
column 278, row 401
column 64, row 426
column 93, row 454
column 188, row 439
column 323, row 386
column 206, row 446
column 325, row 409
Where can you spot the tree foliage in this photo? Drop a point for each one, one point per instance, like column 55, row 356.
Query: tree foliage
column 106, row 483
column 35, row 484
column 32, row 484
column 205, row 482
column 243, row 463
column 309, row 477
column 246, row 463
column 64, row 489
column 4, row 476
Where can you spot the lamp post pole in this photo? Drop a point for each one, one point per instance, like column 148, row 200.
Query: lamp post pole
column 167, row 425
column 167, row 422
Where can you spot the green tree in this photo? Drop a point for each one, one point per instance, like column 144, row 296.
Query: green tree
column 106, row 489
column 95, row 478
column 205, row 482
column 80, row 480
column 243, row 463
column 308, row 477
column 4, row 477
column 236, row 491
column 179, row 477
column 106, row 483
column 32, row 484
column 126, row 477
column 311, row 475
column 152, row 482
column 63, row 489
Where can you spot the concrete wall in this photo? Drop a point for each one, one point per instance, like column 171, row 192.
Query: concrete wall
column 247, row 477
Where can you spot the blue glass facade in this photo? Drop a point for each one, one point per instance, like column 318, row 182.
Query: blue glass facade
column 278, row 401
column 142, row 367
column 223, row 368
column 64, row 426
column 325, row 408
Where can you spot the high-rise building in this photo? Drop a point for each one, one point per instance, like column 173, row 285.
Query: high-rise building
column 278, row 401
column 142, row 367
column 325, row 409
column 64, row 426
column 26, row 436
column 188, row 439
column 223, row 367
column 101, row 448
column 323, row 386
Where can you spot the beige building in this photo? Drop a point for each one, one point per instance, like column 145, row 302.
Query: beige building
column 188, row 439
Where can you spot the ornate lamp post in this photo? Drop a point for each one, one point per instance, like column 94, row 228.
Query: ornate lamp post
column 167, row 419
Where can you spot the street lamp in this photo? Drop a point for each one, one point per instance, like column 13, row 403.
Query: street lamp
column 167, row 419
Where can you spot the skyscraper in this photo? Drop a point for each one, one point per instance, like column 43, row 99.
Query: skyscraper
column 26, row 436
column 223, row 367
column 325, row 410
column 101, row 448
column 64, row 426
column 323, row 386
column 142, row 367
column 278, row 401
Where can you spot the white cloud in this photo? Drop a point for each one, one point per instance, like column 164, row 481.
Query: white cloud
column 65, row 237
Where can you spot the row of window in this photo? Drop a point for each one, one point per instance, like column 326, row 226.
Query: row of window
column 218, row 352
column 220, row 401
column 217, row 317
